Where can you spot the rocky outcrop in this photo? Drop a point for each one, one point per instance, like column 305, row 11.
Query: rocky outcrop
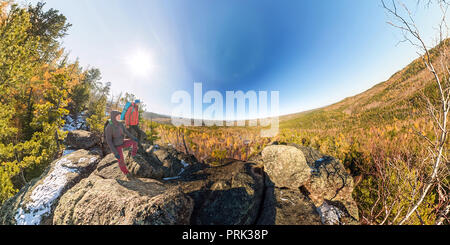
column 322, row 179
column 106, row 199
column 330, row 183
column 108, row 168
column 35, row 203
column 144, row 165
column 226, row 195
column 288, row 207
column 80, row 139
column 286, row 166
column 284, row 185
column 98, row 201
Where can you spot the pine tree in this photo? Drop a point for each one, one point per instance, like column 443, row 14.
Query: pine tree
column 49, row 26
column 34, row 94
column 97, row 101
column 18, row 52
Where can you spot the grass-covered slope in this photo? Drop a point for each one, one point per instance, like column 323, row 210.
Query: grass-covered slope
column 393, row 99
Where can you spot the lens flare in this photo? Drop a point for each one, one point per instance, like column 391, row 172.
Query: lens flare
column 140, row 63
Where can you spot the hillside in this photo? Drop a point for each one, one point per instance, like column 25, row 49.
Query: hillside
column 383, row 103
column 158, row 118
column 372, row 134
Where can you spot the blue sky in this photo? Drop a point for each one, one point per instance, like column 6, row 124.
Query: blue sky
column 314, row 52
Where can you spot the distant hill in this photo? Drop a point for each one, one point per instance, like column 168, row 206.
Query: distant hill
column 158, row 118
column 383, row 103
column 164, row 119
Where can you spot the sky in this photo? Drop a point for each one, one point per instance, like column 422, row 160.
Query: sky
column 315, row 53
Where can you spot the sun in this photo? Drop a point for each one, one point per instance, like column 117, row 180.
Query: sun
column 140, row 63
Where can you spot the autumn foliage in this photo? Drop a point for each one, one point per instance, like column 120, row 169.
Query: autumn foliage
column 38, row 88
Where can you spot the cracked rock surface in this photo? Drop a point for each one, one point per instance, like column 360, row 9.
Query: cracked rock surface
column 284, row 185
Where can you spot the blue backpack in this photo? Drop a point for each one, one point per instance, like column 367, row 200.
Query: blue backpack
column 124, row 111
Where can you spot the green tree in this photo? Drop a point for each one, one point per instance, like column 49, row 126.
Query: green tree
column 98, row 96
column 49, row 26
column 17, row 65
column 34, row 93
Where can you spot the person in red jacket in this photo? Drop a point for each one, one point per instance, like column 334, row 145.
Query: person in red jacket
column 132, row 119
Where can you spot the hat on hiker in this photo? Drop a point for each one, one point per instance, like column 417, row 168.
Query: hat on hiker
column 137, row 101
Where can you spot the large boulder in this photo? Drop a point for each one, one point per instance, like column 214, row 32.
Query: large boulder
column 169, row 161
column 35, row 203
column 323, row 178
column 80, row 139
column 100, row 201
column 333, row 213
column 330, row 182
column 286, row 166
column 148, row 166
column 142, row 165
column 228, row 195
column 288, row 207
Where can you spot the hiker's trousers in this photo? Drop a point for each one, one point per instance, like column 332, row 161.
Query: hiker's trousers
column 126, row 144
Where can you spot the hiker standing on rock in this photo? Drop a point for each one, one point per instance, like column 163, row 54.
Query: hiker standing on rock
column 132, row 119
column 115, row 137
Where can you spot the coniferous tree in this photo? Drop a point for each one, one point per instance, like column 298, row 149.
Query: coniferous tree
column 36, row 81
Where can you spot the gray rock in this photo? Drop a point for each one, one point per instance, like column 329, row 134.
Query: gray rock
column 98, row 201
column 330, row 182
column 80, row 139
column 227, row 195
column 286, row 166
column 169, row 161
column 323, row 177
column 148, row 166
column 108, row 168
column 143, row 165
column 288, row 207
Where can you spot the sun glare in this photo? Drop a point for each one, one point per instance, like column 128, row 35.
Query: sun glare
column 140, row 63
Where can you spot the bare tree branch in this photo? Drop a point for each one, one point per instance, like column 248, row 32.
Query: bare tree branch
column 438, row 114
